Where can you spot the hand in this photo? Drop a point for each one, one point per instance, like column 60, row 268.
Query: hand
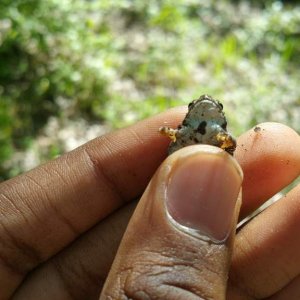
column 61, row 224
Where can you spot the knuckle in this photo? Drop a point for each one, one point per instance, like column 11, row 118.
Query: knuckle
column 162, row 276
column 79, row 281
column 16, row 253
column 102, row 174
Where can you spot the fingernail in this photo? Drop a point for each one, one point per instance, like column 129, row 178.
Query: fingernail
column 202, row 192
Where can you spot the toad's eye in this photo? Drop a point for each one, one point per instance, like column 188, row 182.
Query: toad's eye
column 221, row 105
column 191, row 104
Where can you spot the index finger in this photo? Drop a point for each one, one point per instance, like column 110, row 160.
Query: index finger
column 45, row 209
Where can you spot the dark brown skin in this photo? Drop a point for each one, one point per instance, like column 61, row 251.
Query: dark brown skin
column 61, row 223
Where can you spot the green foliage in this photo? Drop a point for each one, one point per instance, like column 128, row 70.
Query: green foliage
column 118, row 61
column 43, row 63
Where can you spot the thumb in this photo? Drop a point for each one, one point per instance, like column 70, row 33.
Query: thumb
column 179, row 240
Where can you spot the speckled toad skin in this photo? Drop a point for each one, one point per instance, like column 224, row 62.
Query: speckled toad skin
column 205, row 123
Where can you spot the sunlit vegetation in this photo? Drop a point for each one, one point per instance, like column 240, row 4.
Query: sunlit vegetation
column 113, row 62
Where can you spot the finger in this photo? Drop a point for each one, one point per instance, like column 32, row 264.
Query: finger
column 290, row 292
column 266, row 255
column 79, row 271
column 178, row 242
column 270, row 159
column 45, row 209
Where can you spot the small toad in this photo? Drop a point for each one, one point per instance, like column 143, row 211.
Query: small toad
column 205, row 123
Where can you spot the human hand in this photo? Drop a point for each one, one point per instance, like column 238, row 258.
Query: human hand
column 62, row 223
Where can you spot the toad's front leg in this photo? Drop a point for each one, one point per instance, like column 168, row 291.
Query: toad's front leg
column 169, row 132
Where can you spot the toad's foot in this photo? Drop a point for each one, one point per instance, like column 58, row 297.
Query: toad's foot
column 227, row 142
column 169, row 132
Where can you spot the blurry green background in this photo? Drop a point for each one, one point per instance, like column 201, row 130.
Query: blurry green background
column 72, row 69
